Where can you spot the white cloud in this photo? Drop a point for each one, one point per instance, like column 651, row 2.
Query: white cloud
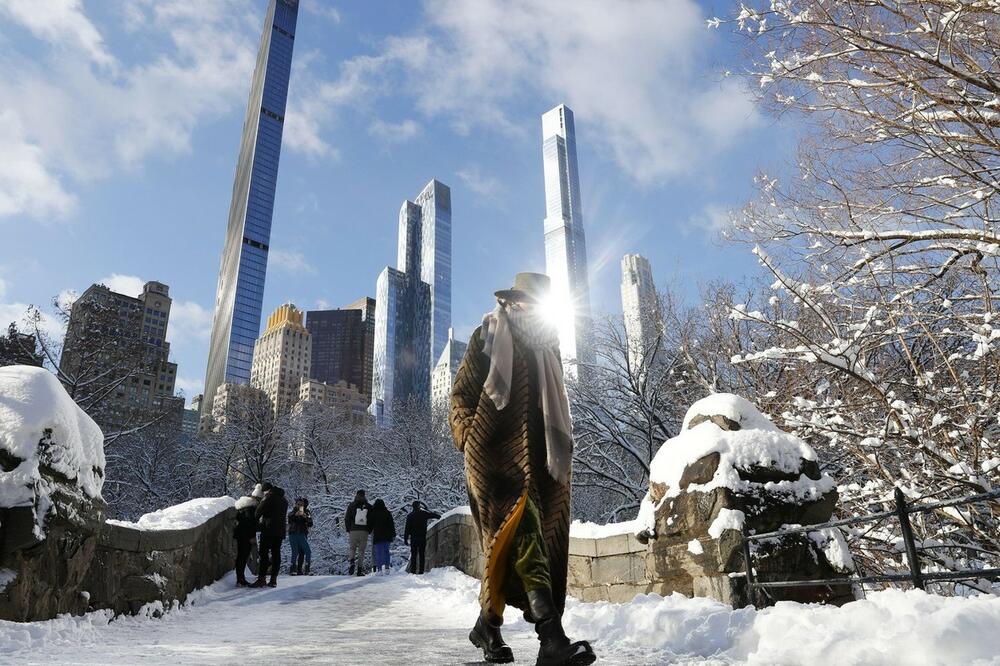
column 639, row 79
column 313, row 103
column 325, row 11
column 715, row 219
column 484, row 185
column 26, row 183
column 130, row 285
column 394, row 132
column 80, row 114
column 189, row 323
column 190, row 387
column 62, row 23
column 290, row 261
column 3, row 289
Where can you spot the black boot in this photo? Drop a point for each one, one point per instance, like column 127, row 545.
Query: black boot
column 273, row 582
column 350, row 569
column 260, row 582
column 486, row 636
column 306, row 570
column 555, row 649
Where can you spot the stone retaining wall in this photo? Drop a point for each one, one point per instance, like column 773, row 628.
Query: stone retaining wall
column 616, row 568
column 133, row 567
column 608, row 569
column 84, row 565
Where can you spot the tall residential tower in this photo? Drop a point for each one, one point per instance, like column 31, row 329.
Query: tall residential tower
column 565, row 243
column 240, row 289
column 640, row 308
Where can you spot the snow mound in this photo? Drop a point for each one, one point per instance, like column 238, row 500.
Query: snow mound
column 45, row 431
column 757, row 443
column 180, row 516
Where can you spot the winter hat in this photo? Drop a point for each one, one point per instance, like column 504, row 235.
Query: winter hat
column 258, row 491
column 305, row 502
column 266, row 486
column 416, row 504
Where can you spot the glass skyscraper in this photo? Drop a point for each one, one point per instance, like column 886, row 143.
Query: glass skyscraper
column 640, row 307
column 413, row 305
column 565, row 242
column 240, row 291
column 435, row 260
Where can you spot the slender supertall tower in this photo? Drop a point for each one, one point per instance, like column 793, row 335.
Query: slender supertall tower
column 640, row 308
column 240, row 291
column 565, row 243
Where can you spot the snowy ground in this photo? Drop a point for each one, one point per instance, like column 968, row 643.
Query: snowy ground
column 403, row 619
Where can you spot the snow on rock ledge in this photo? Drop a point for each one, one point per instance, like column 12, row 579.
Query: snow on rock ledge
column 180, row 516
column 47, row 443
column 745, row 440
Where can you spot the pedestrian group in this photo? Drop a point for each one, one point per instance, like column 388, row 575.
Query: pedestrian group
column 263, row 520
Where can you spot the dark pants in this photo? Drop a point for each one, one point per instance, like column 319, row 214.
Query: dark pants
column 417, row 551
column 243, row 548
column 270, row 554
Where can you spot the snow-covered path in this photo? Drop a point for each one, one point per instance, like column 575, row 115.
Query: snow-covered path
column 424, row 620
column 398, row 619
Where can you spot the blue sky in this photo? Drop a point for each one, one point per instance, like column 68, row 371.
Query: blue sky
column 120, row 122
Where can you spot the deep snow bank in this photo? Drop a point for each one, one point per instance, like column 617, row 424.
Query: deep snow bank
column 180, row 516
column 44, row 433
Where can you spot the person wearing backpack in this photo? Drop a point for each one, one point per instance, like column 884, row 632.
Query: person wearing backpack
column 383, row 534
column 358, row 527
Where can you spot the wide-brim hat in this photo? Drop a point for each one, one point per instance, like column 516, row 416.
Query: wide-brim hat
column 528, row 288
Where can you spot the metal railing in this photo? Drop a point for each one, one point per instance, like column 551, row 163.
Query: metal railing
column 901, row 513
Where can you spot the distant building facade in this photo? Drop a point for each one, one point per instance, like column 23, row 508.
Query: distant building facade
column 234, row 402
column 344, row 398
column 565, row 241
column 366, row 306
column 640, row 308
column 18, row 348
column 240, row 290
column 444, row 375
column 282, row 357
column 342, row 345
column 116, row 348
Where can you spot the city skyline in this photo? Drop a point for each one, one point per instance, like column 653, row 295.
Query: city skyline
column 335, row 222
column 240, row 292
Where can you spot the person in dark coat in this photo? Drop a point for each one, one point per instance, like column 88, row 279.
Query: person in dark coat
column 358, row 528
column 299, row 522
column 415, row 535
column 246, row 532
column 383, row 533
column 510, row 418
column 271, row 522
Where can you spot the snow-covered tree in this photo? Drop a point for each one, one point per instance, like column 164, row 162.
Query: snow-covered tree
column 883, row 248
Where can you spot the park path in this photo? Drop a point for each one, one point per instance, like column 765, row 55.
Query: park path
column 396, row 619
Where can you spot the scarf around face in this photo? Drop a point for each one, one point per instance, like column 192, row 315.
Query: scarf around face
column 500, row 327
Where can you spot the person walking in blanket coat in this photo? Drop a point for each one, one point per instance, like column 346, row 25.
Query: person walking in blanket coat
column 510, row 418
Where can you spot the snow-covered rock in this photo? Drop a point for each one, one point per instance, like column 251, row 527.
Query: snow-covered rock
column 744, row 440
column 47, row 443
column 728, row 469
